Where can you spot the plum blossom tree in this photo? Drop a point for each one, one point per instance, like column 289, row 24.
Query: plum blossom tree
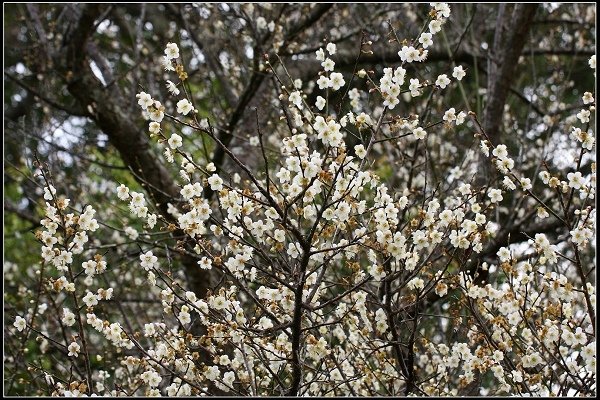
column 318, row 209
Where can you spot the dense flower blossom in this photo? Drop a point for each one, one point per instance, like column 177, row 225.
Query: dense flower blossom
column 334, row 239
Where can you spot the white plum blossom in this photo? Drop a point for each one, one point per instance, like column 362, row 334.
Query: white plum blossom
column 416, row 284
column 583, row 116
column 68, row 317
column 587, row 98
column 414, row 87
column 205, row 263
column 450, row 115
column 154, row 127
column 328, row 65
column 148, row 261
column 500, row 151
column 442, row 81
column 331, row 48
column 172, row 51
column 495, row 195
column 435, row 26
column 320, row 55
column 409, row 54
column 184, row 107
column 360, row 151
column 261, row 22
column 293, row 250
column 443, row 9
column 215, row 182
column 336, row 80
column 419, row 133
column 175, row 141
column 74, row 349
column 575, row 180
column 123, row 192
column 425, row 39
column 323, row 82
column 320, row 103
column 295, row 98
column 504, row 254
column 90, row 299
column 458, row 73
column 172, row 88
column 144, row 100
column 20, row 323
column 156, row 111
column 167, row 64
column 525, row 183
column 151, row 378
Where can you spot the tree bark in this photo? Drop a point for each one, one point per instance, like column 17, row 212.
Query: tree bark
column 512, row 26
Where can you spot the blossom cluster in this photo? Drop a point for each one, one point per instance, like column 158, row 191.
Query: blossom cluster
column 332, row 268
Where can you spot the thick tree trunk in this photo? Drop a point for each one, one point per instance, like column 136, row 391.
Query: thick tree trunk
column 512, row 26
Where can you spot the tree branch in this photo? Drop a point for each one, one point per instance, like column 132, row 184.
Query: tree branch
column 254, row 84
